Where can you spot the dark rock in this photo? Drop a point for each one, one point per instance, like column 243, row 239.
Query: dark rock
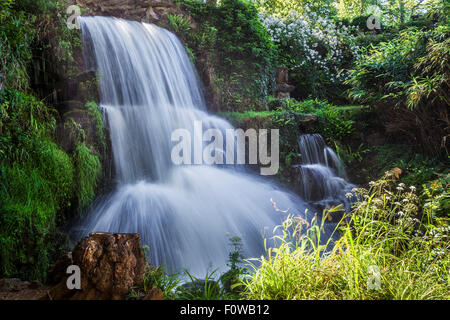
column 85, row 76
column 154, row 294
column 57, row 271
column 13, row 284
column 34, row 285
column 375, row 139
column 110, row 264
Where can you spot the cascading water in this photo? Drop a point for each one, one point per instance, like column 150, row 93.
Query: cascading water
column 148, row 89
column 183, row 213
column 322, row 176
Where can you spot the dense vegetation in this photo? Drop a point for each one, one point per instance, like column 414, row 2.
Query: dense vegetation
column 41, row 184
column 388, row 250
column 379, row 97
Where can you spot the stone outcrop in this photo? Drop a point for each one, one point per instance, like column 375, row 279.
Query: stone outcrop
column 283, row 89
column 149, row 11
column 110, row 265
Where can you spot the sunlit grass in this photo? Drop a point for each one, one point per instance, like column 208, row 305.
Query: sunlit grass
column 386, row 251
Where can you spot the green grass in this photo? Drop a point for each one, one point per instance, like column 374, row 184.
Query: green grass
column 33, row 194
column 385, row 232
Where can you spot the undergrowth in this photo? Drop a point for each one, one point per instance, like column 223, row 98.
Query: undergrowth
column 388, row 249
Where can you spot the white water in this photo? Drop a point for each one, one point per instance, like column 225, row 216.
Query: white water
column 149, row 88
column 323, row 179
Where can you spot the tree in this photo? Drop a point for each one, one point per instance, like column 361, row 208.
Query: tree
column 284, row 8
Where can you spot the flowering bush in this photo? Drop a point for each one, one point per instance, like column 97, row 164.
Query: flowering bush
column 316, row 49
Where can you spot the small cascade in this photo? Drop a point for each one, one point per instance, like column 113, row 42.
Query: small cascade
column 322, row 179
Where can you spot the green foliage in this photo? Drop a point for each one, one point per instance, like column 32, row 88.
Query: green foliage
column 65, row 43
column 16, row 37
column 348, row 156
column 87, row 173
column 417, row 169
column 384, row 69
column 407, row 78
column 316, row 49
column 284, row 8
column 385, row 231
column 36, row 176
column 241, row 70
column 23, row 122
column 393, row 12
column 201, row 289
column 179, row 24
column 231, row 279
column 33, row 192
column 437, row 197
column 333, row 123
column 100, row 137
column 27, row 25
column 36, row 183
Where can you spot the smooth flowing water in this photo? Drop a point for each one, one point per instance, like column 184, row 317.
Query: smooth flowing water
column 185, row 214
column 323, row 180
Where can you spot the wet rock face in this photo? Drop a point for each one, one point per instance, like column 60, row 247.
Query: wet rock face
column 110, row 265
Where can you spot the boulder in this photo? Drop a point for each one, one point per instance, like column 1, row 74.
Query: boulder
column 110, row 265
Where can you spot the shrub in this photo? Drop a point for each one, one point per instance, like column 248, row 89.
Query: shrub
column 316, row 50
column 87, row 173
column 33, row 194
column 16, row 36
column 407, row 79
column 240, row 71
column 36, row 184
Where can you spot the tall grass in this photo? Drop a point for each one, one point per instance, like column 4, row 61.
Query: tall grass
column 387, row 250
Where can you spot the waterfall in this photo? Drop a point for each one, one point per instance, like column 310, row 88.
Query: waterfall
column 185, row 214
column 322, row 176
column 149, row 87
